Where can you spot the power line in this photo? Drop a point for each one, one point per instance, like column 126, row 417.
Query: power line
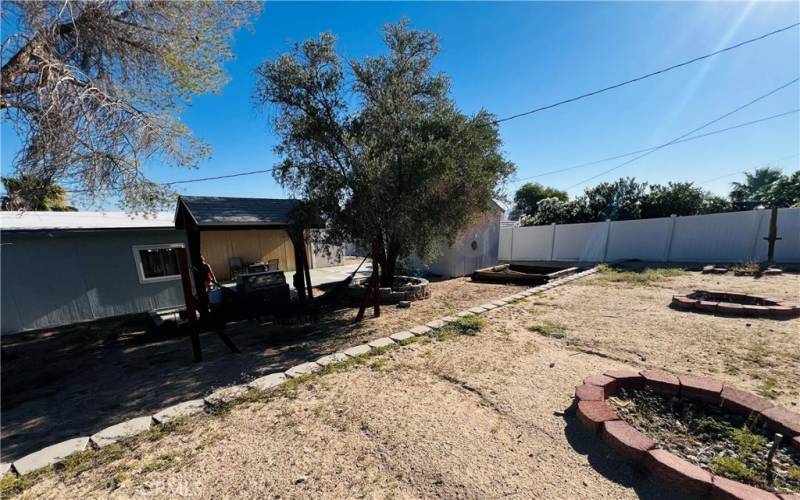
column 643, row 77
column 700, row 136
column 701, row 127
column 228, row 176
column 744, row 171
column 199, row 179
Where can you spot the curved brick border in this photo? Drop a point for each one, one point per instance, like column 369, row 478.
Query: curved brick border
column 416, row 289
column 734, row 303
column 58, row 452
column 599, row 417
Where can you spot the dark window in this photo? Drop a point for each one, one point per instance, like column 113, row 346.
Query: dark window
column 159, row 262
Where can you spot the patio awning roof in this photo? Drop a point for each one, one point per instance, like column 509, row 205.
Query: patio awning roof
column 218, row 212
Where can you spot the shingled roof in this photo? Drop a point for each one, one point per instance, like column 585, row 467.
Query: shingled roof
column 225, row 211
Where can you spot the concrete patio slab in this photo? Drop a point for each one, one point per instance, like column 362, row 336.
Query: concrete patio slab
column 436, row 324
column 111, row 435
column 488, row 306
column 330, row 359
column 225, row 395
column 421, row 330
column 381, row 342
column 50, row 455
column 499, row 302
column 357, row 350
column 302, row 369
column 179, row 410
column 449, row 319
column 5, row 468
column 464, row 314
column 477, row 310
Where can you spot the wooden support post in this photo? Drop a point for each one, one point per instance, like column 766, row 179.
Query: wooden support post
column 298, row 279
column 376, row 292
column 373, row 290
column 773, row 236
column 191, row 304
column 306, row 266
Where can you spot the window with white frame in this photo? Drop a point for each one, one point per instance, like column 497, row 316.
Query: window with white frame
column 157, row 262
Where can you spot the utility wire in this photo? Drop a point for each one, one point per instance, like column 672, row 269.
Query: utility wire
column 643, row 77
column 228, row 176
column 719, row 131
column 700, row 136
column 189, row 181
column 701, row 127
column 768, row 164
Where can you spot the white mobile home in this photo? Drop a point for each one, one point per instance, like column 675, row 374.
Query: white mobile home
column 60, row 268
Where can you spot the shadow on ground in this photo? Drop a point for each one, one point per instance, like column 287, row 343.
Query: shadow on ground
column 76, row 381
column 613, row 468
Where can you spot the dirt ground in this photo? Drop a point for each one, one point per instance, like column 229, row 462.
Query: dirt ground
column 482, row 416
column 74, row 382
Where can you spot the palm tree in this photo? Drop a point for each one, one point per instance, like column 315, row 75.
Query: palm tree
column 28, row 192
column 752, row 190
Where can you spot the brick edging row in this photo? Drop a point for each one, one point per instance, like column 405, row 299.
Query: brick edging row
column 773, row 308
column 599, row 417
column 56, row 453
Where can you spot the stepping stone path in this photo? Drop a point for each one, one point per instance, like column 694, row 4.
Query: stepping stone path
column 302, row 369
column 225, row 395
column 421, row 330
column 401, row 336
column 436, row 324
column 58, row 452
column 180, row 410
column 111, row 435
column 268, row 382
column 50, row 455
column 330, row 359
column 381, row 342
column 357, row 350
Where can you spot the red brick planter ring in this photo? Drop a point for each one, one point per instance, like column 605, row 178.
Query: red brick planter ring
column 739, row 304
column 599, row 417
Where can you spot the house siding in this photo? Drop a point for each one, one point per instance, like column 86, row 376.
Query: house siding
column 55, row 278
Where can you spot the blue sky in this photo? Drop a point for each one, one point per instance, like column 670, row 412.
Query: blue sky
column 510, row 57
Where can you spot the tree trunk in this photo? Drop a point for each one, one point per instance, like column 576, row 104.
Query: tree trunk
column 373, row 291
column 389, row 265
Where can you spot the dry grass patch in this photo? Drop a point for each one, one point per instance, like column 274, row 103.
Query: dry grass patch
column 549, row 330
column 646, row 276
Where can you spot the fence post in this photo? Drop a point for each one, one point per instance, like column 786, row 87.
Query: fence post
column 760, row 213
column 670, row 234
column 608, row 236
column 511, row 245
column 552, row 241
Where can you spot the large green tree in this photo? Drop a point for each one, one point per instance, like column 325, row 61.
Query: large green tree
column 784, row 192
column 378, row 147
column 754, row 188
column 95, row 88
column 678, row 198
column 531, row 193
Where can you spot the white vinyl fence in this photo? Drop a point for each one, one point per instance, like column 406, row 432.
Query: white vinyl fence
column 715, row 238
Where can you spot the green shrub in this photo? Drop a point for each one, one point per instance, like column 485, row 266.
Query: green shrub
column 747, row 442
column 732, row 468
